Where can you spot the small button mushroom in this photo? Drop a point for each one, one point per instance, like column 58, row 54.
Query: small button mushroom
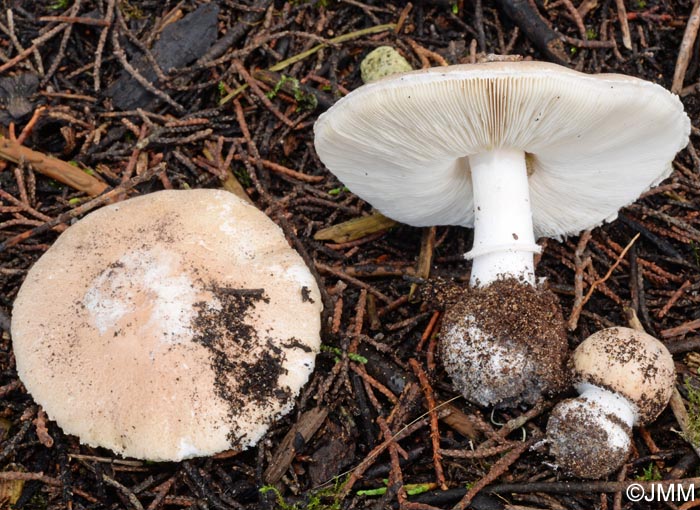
column 625, row 378
column 172, row 325
column 516, row 150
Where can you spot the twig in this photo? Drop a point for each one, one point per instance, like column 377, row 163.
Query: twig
column 479, row 453
column 82, row 209
column 425, row 55
column 356, row 228
column 672, row 300
column 35, row 45
column 585, row 43
column 498, row 468
column 161, row 491
column 136, row 75
column 425, row 257
column 42, row 432
column 81, row 20
column 395, row 475
column 578, row 19
column 581, row 264
column 10, row 387
column 602, row 280
column 687, row 344
column 427, row 333
column 306, row 426
column 301, row 56
column 516, row 423
column 588, row 487
column 682, row 329
column 359, row 321
column 681, row 413
column 359, row 470
column 30, row 125
column 686, row 49
column 58, row 58
column 261, row 95
column 280, row 169
column 434, row 428
column 624, row 25
column 402, row 17
column 130, row 496
column 344, row 276
column 51, row 167
column 360, row 370
column 109, row 16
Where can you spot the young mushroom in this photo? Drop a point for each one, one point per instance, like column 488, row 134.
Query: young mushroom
column 172, row 325
column 518, row 151
column 625, row 378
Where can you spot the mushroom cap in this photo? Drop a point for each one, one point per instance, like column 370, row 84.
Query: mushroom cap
column 168, row 326
column 630, row 363
column 593, row 143
column 585, row 440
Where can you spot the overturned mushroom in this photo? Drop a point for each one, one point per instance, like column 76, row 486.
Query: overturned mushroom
column 517, row 150
column 625, row 378
column 172, row 325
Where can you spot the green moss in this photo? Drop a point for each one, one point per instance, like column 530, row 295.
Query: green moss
column 304, row 101
column 243, row 177
column 696, row 252
column 651, row 473
column 325, row 498
column 58, row 5
column 353, row 357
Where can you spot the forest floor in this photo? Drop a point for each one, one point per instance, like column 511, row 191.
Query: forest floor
column 78, row 87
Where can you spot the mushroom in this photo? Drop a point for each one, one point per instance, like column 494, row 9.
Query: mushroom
column 625, row 378
column 173, row 325
column 516, row 150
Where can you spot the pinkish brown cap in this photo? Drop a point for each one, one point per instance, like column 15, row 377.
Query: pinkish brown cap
column 173, row 325
column 632, row 364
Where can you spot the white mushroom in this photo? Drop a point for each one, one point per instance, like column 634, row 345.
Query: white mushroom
column 172, row 325
column 625, row 378
column 517, row 150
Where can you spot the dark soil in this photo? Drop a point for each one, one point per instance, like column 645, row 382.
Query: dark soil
column 197, row 120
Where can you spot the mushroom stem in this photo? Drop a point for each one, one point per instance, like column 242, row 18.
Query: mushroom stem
column 613, row 403
column 504, row 241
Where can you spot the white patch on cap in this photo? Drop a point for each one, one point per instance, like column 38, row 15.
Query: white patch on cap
column 150, row 276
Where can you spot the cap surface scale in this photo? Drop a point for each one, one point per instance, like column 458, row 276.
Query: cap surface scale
column 172, row 325
column 593, row 143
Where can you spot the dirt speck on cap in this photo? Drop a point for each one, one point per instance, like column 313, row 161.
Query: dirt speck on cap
column 630, row 363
